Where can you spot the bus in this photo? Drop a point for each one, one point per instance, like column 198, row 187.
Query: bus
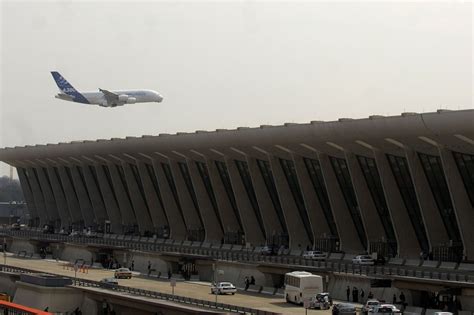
column 301, row 285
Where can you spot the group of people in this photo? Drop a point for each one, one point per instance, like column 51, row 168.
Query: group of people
column 356, row 293
column 248, row 281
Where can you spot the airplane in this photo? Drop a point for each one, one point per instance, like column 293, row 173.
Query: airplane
column 104, row 98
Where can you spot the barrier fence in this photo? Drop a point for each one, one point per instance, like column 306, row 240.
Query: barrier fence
column 244, row 255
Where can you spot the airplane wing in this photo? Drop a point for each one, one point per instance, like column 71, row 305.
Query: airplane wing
column 111, row 97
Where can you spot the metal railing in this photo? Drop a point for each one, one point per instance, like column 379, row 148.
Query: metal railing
column 148, row 293
column 242, row 255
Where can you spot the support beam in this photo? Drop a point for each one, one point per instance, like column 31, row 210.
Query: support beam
column 95, row 195
column 83, row 197
column 110, row 200
column 30, row 200
column 38, row 196
column 60, row 198
column 71, row 197
column 50, row 202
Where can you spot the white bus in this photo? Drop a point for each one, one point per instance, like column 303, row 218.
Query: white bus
column 301, row 285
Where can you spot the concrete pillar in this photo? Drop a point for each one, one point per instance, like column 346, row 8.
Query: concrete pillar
column 211, row 222
column 110, row 201
column 250, row 224
column 369, row 213
column 83, row 197
column 171, row 208
column 408, row 245
column 349, row 239
column 269, row 214
column 299, row 238
column 190, row 213
column 434, row 226
column 316, row 215
column 30, row 200
column 38, row 196
column 126, row 210
column 71, row 197
column 95, row 195
column 157, row 213
column 139, row 205
column 61, row 202
column 230, row 222
column 462, row 205
column 50, row 202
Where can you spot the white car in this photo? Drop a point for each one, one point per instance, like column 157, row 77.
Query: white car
column 314, row 254
column 384, row 309
column 369, row 305
column 223, row 288
column 363, row 260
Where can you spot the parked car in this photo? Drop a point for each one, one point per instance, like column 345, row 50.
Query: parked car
column 319, row 302
column 344, row 309
column 15, row 227
column 268, row 250
column 223, row 288
column 123, row 273
column 314, row 254
column 363, row 260
column 108, row 282
column 369, row 305
column 384, row 309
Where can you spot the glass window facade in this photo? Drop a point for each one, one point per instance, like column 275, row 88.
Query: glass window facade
column 83, row 182
column 399, row 166
column 69, row 176
column 225, row 178
column 138, row 180
column 206, row 179
column 289, row 170
column 345, row 183
column 96, row 181
column 183, row 167
column 244, row 172
column 154, row 181
column 314, row 170
column 121, row 174
column 169, row 178
column 109, row 181
column 435, row 175
column 465, row 163
column 372, row 178
column 267, row 175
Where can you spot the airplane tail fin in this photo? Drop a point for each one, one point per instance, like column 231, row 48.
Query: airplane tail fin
column 67, row 88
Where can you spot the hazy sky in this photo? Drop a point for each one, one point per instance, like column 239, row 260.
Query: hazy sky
column 227, row 64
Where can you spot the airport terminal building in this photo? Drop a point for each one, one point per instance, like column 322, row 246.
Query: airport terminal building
column 400, row 185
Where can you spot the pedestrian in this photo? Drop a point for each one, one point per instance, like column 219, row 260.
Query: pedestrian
column 355, row 295
column 394, row 299
column 247, row 283
column 132, row 267
column 169, row 274
column 370, row 296
column 149, row 268
column 252, row 280
column 362, row 294
column 402, row 297
column 348, row 293
column 77, row 311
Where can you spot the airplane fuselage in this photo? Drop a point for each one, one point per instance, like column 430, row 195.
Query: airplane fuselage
column 125, row 97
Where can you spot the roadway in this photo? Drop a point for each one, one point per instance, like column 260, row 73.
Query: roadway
column 198, row 290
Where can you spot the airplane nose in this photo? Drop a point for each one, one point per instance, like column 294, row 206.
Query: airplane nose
column 159, row 98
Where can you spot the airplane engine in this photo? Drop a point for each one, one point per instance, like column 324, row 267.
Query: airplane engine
column 131, row 100
column 123, row 98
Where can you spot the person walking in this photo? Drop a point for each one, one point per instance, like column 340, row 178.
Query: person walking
column 132, row 267
column 362, row 294
column 252, row 280
column 394, row 300
column 348, row 293
column 355, row 295
column 149, row 268
column 247, row 283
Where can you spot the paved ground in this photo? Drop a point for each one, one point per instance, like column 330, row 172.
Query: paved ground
column 191, row 289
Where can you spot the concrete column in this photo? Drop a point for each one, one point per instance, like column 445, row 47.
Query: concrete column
column 349, row 239
column 50, row 202
column 191, row 216
column 408, row 245
column 83, row 197
column 370, row 216
column 157, row 213
column 95, row 195
column 171, row 208
column 299, row 238
column 211, row 222
column 434, row 226
column 71, row 197
column 61, row 202
column 110, row 203
column 30, row 200
column 315, row 212
column 250, row 225
column 38, row 196
column 269, row 214
column 230, row 222
column 139, row 205
column 462, row 205
column 126, row 210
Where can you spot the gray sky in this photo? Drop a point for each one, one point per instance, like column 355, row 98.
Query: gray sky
column 227, row 64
